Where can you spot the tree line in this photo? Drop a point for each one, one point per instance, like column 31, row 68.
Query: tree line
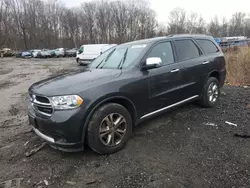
column 30, row 24
column 182, row 22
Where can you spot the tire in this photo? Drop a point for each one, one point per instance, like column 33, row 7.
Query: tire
column 207, row 93
column 99, row 122
column 78, row 62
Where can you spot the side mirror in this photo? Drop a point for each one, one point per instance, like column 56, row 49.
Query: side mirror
column 152, row 62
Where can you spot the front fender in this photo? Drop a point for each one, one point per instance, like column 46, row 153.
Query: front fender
column 95, row 105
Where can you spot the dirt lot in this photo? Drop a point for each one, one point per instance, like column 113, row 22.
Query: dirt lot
column 187, row 147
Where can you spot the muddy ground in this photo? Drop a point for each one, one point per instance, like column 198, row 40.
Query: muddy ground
column 187, row 147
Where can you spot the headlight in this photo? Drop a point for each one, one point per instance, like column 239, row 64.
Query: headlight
column 66, row 102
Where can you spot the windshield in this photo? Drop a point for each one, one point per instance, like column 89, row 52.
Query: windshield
column 118, row 57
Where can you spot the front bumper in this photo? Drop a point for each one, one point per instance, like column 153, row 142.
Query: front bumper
column 63, row 130
column 84, row 62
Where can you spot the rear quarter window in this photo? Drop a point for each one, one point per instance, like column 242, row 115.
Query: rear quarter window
column 208, row 46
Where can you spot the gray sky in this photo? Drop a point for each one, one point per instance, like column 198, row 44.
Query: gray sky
column 207, row 8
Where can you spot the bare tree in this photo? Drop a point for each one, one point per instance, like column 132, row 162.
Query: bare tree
column 224, row 28
column 177, row 21
column 214, row 27
column 247, row 26
column 4, row 27
column 27, row 24
column 192, row 23
column 237, row 24
column 195, row 24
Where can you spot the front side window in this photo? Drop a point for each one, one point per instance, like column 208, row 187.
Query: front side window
column 208, row 46
column 186, row 50
column 81, row 49
column 164, row 51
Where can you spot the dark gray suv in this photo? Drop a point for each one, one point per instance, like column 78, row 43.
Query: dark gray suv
column 124, row 86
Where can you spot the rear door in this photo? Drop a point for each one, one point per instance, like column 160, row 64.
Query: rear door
column 192, row 66
column 164, row 81
column 214, row 60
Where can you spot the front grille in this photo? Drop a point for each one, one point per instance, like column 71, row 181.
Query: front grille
column 44, row 109
column 42, row 99
column 41, row 104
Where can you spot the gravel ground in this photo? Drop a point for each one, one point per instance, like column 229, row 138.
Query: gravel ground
column 185, row 148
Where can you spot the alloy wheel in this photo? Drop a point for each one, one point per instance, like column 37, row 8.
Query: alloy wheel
column 112, row 129
column 213, row 92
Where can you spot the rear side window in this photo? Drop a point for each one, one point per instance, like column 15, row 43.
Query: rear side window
column 186, row 49
column 164, row 51
column 208, row 46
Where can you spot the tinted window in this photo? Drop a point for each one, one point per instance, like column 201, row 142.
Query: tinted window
column 208, row 46
column 186, row 49
column 163, row 51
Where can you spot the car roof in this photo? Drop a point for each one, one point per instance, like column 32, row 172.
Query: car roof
column 198, row 36
column 144, row 41
column 150, row 40
column 96, row 44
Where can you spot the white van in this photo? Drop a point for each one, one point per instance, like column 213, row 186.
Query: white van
column 89, row 52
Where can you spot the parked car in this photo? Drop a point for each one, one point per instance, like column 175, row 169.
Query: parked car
column 44, row 54
column 59, row 52
column 88, row 53
column 52, row 53
column 35, row 53
column 24, row 54
column 124, row 86
column 6, row 52
column 71, row 52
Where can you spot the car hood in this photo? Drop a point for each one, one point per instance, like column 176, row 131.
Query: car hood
column 73, row 82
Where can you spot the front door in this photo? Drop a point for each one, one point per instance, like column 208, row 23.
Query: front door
column 164, row 81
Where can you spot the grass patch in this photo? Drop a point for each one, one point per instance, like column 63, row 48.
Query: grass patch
column 238, row 67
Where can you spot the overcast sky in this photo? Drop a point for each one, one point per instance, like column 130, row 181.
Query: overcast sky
column 207, row 8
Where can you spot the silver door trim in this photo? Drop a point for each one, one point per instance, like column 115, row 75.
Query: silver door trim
column 205, row 62
column 175, row 70
column 170, row 106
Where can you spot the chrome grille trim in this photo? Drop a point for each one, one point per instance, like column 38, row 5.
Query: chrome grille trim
column 41, row 103
column 43, row 113
column 35, row 104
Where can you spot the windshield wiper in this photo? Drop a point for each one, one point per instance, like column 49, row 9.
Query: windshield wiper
column 123, row 59
column 99, row 63
column 105, row 60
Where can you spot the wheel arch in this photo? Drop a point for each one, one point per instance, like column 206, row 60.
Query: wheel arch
column 214, row 74
column 122, row 100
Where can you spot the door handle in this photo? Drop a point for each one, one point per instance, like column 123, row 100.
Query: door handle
column 205, row 62
column 175, row 70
